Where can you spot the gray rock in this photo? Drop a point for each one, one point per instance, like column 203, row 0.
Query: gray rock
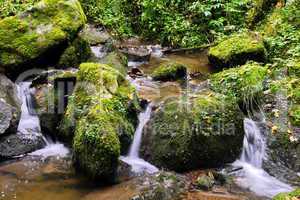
column 9, row 106
column 19, row 144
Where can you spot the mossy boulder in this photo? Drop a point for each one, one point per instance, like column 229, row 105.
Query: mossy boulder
column 288, row 196
column 100, row 119
column 38, row 34
column 77, row 52
column 169, row 72
column 245, row 83
column 204, row 131
column 237, row 50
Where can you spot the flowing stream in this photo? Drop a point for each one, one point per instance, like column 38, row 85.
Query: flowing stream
column 139, row 165
column 252, row 176
column 29, row 124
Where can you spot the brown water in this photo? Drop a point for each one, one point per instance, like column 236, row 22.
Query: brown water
column 196, row 62
column 54, row 179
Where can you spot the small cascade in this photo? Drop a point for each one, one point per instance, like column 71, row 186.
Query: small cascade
column 139, row 165
column 29, row 122
column 252, row 176
column 29, row 125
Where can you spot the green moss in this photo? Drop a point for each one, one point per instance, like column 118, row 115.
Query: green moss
column 236, row 50
column 169, row 72
column 27, row 36
column 294, row 114
column 205, row 131
column 117, row 60
column 79, row 51
column 257, row 11
column 100, row 113
column 244, row 83
column 96, row 147
column 288, row 196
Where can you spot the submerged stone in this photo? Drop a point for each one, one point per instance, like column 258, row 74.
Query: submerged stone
column 237, row 50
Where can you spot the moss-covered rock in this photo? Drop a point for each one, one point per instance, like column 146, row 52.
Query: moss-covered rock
column 40, row 33
column 78, row 51
column 169, row 72
column 117, row 61
column 100, row 119
column 244, row 83
column 237, row 50
column 206, row 131
column 257, row 11
column 288, row 196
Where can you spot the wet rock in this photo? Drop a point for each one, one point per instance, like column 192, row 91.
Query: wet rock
column 95, row 35
column 170, row 72
column 205, row 182
column 137, row 54
column 161, row 186
column 237, row 50
column 20, row 144
column 9, row 106
column 135, row 72
column 204, row 131
column 38, row 35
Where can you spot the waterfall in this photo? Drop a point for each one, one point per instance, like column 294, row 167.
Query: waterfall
column 29, row 124
column 252, row 176
column 139, row 165
column 143, row 119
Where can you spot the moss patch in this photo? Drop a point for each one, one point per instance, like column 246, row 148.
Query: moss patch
column 244, row 83
column 169, row 72
column 236, row 50
column 288, row 196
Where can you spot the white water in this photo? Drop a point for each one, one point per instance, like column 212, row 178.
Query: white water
column 29, row 125
column 29, row 122
column 252, row 176
column 139, row 165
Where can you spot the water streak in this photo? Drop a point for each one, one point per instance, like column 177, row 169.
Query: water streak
column 252, row 176
column 139, row 165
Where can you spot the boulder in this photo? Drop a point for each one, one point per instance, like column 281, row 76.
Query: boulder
column 38, row 34
column 102, row 118
column 203, row 131
column 169, row 72
column 20, row 144
column 237, row 50
column 9, row 106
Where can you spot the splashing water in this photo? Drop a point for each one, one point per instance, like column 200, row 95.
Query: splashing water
column 139, row 165
column 29, row 124
column 252, row 175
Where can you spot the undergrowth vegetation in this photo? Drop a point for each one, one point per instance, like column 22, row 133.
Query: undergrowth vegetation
column 12, row 7
column 174, row 22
